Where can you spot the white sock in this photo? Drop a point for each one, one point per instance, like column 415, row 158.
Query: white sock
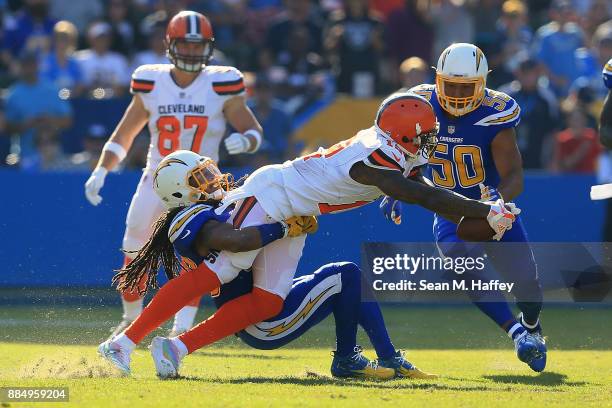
column 131, row 310
column 125, row 343
column 180, row 346
column 183, row 319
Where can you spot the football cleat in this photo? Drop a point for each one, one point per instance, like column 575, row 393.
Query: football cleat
column 531, row 349
column 357, row 365
column 117, row 330
column 166, row 357
column 404, row 368
column 112, row 352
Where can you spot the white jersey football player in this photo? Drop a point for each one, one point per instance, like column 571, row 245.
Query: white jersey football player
column 185, row 105
column 349, row 174
column 352, row 173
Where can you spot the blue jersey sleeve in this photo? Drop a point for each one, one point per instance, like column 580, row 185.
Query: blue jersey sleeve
column 607, row 74
column 501, row 111
column 186, row 225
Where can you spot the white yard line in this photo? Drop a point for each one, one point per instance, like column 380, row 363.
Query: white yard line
column 54, row 323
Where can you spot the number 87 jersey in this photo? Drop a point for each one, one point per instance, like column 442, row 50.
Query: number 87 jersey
column 189, row 118
column 463, row 159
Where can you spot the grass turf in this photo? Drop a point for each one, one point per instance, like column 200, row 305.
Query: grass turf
column 55, row 346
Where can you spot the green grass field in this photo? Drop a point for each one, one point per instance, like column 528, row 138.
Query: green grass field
column 55, row 346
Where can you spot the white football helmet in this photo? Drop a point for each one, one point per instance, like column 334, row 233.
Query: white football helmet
column 183, row 178
column 461, row 64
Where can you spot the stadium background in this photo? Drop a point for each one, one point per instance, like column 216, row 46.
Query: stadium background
column 316, row 71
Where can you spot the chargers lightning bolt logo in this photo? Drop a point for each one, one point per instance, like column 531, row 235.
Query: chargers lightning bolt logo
column 284, row 326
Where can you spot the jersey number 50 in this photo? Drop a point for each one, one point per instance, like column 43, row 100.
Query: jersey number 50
column 465, row 165
column 169, row 128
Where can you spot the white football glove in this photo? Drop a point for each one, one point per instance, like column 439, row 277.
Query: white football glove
column 93, row 185
column 500, row 217
column 237, row 143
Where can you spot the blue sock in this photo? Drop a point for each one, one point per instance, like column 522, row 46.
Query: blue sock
column 371, row 319
column 346, row 309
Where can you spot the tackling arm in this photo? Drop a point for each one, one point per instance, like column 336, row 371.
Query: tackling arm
column 438, row 200
column 509, row 164
column 223, row 236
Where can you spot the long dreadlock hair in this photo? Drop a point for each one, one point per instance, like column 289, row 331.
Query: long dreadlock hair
column 158, row 252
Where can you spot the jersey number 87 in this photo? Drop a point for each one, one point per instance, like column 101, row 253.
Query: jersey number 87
column 169, row 128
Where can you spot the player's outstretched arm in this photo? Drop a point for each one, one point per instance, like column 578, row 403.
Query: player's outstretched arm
column 223, row 236
column 393, row 184
column 509, row 164
column 115, row 149
column 605, row 122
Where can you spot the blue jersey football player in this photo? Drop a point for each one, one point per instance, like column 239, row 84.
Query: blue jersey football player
column 477, row 156
column 195, row 231
column 333, row 289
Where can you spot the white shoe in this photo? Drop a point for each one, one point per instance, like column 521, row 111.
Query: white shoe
column 166, row 357
column 112, row 352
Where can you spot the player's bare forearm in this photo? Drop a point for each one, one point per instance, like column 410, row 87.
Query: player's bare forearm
column 509, row 164
column 424, row 180
column 435, row 199
column 605, row 122
column 240, row 116
column 132, row 122
column 224, row 237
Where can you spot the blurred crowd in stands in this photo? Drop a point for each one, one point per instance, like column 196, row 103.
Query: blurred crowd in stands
column 56, row 55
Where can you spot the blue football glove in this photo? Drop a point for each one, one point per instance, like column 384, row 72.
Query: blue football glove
column 488, row 193
column 392, row 209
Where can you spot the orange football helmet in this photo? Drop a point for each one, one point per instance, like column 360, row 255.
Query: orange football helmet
column 409, row 120
column 189, row 27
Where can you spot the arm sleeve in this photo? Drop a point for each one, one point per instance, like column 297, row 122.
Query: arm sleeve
column 385, row 159
column 227, row 82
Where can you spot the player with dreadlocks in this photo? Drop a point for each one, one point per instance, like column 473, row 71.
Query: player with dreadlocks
column 186, row 179
column 332, row 289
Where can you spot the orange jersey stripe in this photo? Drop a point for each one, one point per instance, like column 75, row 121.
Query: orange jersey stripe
column 228, row 88
column 139, row 85
column 326, row 208
column 245, row 208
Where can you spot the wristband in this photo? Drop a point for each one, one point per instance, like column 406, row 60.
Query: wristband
column 271, row 232
column 115, row 148
column 254, row 133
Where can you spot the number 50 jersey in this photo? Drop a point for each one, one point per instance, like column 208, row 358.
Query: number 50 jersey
column 463, row 157
column 189, row 118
